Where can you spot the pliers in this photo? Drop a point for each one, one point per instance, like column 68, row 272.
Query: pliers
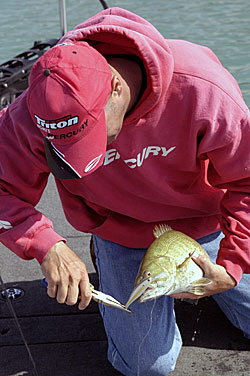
column 102, row 298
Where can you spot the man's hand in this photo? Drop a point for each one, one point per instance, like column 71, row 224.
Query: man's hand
column 222, row 281
column 65, row 274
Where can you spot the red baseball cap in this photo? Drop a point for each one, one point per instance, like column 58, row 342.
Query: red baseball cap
column 69, row 88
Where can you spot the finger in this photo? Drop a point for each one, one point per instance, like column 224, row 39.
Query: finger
column 62, row 292
column 51, row 287
column 52, row 290
column 204, row 263
column 86, row 294
column 186, row 295
column 73, row 294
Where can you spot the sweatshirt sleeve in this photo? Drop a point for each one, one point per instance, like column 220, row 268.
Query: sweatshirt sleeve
column 226, row 146
column 23, row 178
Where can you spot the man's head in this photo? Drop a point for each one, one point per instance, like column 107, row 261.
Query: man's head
column 69, row 88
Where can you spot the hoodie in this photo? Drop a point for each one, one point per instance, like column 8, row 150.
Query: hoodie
column 182, row 157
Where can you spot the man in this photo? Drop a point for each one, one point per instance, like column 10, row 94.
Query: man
column 138, row 131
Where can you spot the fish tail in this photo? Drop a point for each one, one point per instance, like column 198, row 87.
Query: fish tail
column 160, row 230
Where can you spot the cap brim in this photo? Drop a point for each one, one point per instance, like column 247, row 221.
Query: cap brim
column 78, row 159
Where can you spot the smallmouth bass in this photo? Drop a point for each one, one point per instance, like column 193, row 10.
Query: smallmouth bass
column 167, row 267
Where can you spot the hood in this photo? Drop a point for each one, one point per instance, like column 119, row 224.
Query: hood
column 118, row 31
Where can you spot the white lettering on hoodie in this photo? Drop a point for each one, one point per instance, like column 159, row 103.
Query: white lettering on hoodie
column 137, row 161
column 5, row 224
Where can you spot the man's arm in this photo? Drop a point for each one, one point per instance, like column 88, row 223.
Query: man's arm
column 225, row 147
column 23, row 229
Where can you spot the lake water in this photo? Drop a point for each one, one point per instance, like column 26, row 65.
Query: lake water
column 222, row 25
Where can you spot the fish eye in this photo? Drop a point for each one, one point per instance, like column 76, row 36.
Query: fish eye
column 146, row 274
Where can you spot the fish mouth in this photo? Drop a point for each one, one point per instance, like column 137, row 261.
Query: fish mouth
column 137, row 292
column 141, row 288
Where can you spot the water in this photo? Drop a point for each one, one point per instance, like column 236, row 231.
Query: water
column 222, row 25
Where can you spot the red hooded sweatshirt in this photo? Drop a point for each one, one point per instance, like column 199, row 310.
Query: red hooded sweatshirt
column 182, row 157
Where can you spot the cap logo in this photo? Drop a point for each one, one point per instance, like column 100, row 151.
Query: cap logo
column 66, row 121
column 66, row 135
column 92, row 164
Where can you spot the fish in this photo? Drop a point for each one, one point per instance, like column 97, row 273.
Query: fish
column 167, row 267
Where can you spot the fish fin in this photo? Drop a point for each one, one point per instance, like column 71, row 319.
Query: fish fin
column 196, row 290
column 201, row 282
column 197, row 287
column 186, row 260
column 160, row 230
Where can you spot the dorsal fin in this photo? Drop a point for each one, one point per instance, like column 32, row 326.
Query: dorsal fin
column 160, row 230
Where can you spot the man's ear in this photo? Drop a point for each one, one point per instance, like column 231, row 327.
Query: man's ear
column 116, row 85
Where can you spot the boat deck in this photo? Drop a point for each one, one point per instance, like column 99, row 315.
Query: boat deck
column 67, row 342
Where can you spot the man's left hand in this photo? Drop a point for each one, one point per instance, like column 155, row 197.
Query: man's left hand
column 221, row 280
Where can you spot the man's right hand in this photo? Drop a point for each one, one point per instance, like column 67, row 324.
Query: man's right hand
column 66, row 274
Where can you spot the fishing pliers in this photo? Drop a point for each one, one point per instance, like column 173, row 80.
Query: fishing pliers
column 102, row 298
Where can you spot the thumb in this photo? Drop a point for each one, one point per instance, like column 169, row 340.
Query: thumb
column 204, row 263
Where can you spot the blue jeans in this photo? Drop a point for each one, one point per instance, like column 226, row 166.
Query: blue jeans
column 147, row 342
